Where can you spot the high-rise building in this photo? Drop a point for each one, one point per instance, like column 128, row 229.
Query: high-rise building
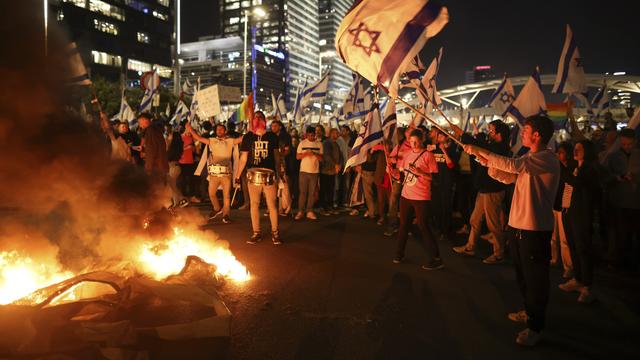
column 330, row 15
column 119, row 37
column 479, row 73
column 288, row 27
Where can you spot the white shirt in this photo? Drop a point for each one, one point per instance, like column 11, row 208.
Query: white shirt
column 536, row 176
column 310, row 164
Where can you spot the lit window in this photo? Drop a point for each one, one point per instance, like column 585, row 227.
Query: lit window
column 232, row 6
column 105, row 27
column 104, row 58
column 163, row 71
column 160, row 15
column 136, row 65
column 142, row 37
column 245, row 4
column 106, row 9
column 60, row 15
column 234, row 20
column 78, row 3
column 164, row 2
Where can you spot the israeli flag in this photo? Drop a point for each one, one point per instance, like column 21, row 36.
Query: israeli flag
column 413, row 73
column 570, row 77
column 390, row 119
column 530, row 101
column 370, row 135
column 377, row 39
column 503, row 96
column 427, row 86
column 279, row 108
column 297, row 106
column 150, row 82
column 316, row 91
column 127, row 114
column 181, row 112
column 187, row 88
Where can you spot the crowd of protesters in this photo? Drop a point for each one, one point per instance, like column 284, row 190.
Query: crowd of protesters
column 573, row 204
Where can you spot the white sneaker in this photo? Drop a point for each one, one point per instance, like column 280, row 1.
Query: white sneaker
column 299, row 215
column 571, row 285
column 528, row 337
column 311, row 215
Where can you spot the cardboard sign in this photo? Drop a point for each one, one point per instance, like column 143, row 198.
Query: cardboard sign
column 209, row 99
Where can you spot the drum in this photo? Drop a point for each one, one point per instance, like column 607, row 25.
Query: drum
column 261, row 176
column 219, row 170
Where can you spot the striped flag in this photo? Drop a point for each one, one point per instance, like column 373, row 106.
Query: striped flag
column 413, row 73
column 570, row 77
column 316, row 91
column 378, row 39
column 150, row 81
column 600, row 101
column 187, row 88
column 503, row 96
column 181, row 112
column 127, row 114
column 370, row 135
column 390, row 120
column 279, row 108
column 193, row 108
column 297, row 106
column 427, row 86
column 78, row 74
column 558, row 113
column 530, row 101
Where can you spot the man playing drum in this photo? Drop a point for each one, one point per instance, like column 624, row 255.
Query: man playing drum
column 259, row 152
column 218, row 161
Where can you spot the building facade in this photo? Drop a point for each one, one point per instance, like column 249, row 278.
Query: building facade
column 120, row 38
column 330, row 14
column 288, row 27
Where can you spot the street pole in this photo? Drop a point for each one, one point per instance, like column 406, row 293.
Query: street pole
column 176, row 53
column 46, row 27
column 244, row 56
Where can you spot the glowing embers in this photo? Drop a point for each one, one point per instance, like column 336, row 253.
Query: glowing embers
column 21, row 275
column 160, row 259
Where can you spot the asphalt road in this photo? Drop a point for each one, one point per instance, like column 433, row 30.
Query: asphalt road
column 331, row 291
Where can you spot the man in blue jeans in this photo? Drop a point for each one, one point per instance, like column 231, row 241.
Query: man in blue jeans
column 536, row 175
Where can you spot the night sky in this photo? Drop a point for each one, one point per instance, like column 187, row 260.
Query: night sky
column 512, row 38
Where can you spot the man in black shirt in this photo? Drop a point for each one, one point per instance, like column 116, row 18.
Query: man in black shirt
column 491, row 193
column 260, row 149
column 442, row 183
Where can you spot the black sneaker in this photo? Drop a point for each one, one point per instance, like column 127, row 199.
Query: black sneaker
column 226, row 220
column 435, row 264
column 255, row 238
column 183, row 203
column 275, row 237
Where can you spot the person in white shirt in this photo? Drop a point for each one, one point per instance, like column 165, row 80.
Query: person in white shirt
column 218, row 152
column 536, row 175
column 309, row 153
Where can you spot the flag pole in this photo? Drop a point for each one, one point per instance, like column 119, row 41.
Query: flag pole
column 440, row 111
column 433, row 122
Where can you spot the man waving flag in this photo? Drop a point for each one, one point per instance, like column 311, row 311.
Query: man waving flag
column 378, row 39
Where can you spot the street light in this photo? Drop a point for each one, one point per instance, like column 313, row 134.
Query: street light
column 259, row 12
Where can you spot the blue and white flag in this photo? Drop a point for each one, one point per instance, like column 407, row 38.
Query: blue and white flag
column 600, row 101
column 427, row 86
column 193, row 109
column 370, row 135
column 503, row 96
column 297, row 106
column 530, row 101
column 127, row 114
column 181, row 113
column 316, row 91
column 187, row 88
column 570, row 77
column 150, row 82
column 78, row 74
column 377, row 39
column 414, row 72
column 279, row 107
column 390, row 119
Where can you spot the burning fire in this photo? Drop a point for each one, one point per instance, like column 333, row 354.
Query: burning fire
column 163, row 259
column 20, row 276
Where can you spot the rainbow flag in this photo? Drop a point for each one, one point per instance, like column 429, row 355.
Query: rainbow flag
column 558, row 114
column 244, row 112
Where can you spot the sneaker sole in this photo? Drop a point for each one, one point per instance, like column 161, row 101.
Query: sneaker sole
column 439, row 267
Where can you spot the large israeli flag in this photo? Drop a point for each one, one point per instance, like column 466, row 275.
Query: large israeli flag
column 570, row 77
column 530, row 101
column 378, row 39
column 316, row 91
column 370, row 135
column 503, row 96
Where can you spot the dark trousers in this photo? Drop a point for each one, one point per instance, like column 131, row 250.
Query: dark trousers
column 623, row 251
column 419, row 209
column 294, row 187
column 531, row 253
column 577, row 229
column 187, row 182
column 327, row 191
column 442, row 195
column 383, row 200
column 343, row 184
column 465, row 196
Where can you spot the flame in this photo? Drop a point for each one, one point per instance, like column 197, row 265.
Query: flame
column 166, row 258
column 20, row 276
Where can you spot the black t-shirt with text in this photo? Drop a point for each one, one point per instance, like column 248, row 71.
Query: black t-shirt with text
column 261, row 150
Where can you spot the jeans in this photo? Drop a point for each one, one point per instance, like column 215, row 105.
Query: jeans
column 308, row 184
column 419, row 208
column 530, row 253
column 255, row 193
column 368, row 185
column 327, row 190
column 489, row 207
column 214, row 183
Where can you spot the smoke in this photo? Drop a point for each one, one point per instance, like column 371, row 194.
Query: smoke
column 60, row 193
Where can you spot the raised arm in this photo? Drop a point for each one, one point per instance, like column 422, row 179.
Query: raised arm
column 106, row 127
column 196, row 135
